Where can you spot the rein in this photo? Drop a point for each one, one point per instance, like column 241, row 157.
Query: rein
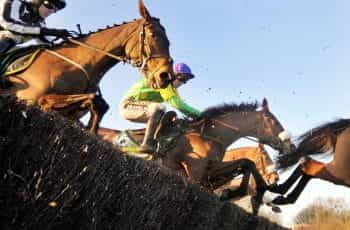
column 118, row 58
column 224, row 124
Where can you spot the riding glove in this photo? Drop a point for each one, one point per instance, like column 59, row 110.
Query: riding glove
column 55, row 32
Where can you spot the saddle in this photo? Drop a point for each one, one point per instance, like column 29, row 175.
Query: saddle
column 19, row 59
column 168, row 130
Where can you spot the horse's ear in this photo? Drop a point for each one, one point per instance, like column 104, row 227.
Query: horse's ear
column 143, row 11
column 265, row 106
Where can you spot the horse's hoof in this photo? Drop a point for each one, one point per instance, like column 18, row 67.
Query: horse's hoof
column 276, row 209
column 268, row 197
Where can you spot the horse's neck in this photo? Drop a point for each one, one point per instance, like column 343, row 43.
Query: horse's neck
column 111, row 40
column 231, row 127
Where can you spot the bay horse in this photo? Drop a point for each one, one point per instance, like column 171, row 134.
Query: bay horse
column 199, row 149
column 331, row 137
column 66, row 76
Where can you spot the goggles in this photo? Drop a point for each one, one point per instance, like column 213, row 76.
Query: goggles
column 184, row 77
column 50, row 5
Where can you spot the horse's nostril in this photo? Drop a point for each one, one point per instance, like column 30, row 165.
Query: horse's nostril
column 164, row 76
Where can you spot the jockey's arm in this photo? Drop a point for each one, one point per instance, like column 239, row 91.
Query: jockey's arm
column 9, row 18
column 172, row 97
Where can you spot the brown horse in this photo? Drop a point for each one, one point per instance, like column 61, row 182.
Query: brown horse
column 334, row 137
column 69, row 73
column 200, row 148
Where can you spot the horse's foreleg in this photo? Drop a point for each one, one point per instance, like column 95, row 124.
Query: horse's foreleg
column 94, row 119
column 69, row 105
column 242, row 190
column 285, row 186
column 221, row 172
column 97, row 107
column 293, row 196
column 261, row 187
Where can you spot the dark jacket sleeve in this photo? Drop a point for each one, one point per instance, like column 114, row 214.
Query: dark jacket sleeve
column 10, row 18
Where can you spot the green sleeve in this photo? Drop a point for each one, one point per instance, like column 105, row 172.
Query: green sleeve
column 172, row 97
column 178, row 103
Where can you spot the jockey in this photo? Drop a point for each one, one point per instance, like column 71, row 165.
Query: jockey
column 143, row 104
column 20, row 20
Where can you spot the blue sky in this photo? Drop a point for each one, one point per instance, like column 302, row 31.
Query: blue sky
column 291, row 52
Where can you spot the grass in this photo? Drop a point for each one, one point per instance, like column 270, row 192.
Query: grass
column 325, row 214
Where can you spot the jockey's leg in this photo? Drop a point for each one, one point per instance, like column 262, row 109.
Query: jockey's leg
column 148, row 144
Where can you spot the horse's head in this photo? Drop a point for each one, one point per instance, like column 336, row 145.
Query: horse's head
column 268, row 171
column 271, row 131
column 149, row 46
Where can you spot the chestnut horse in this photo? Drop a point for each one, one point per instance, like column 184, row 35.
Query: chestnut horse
column 69, row 73
column 330, row 137
column 199, row 150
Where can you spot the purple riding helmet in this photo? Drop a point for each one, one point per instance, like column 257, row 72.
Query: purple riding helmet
column 182, row 72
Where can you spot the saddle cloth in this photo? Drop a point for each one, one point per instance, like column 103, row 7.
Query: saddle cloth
column 18, row 60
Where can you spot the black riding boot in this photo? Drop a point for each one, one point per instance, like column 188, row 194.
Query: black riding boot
column 5, row 45
column 149, row 144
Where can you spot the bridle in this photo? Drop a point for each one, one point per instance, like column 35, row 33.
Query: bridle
column 143, row 56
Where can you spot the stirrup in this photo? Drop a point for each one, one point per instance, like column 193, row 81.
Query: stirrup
column 5, row 83
column 146, row 149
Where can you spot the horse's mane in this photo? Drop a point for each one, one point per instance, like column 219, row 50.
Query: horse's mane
column 314, row 139
column 112, row 26
column 227, row 108
column 82, row 36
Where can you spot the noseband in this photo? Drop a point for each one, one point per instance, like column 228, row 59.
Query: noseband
column 144, row 57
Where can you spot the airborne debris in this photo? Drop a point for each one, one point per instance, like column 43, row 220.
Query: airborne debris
column 24, row 114
column 53, row 204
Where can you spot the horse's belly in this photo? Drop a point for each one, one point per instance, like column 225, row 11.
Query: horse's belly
column 69, row 85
